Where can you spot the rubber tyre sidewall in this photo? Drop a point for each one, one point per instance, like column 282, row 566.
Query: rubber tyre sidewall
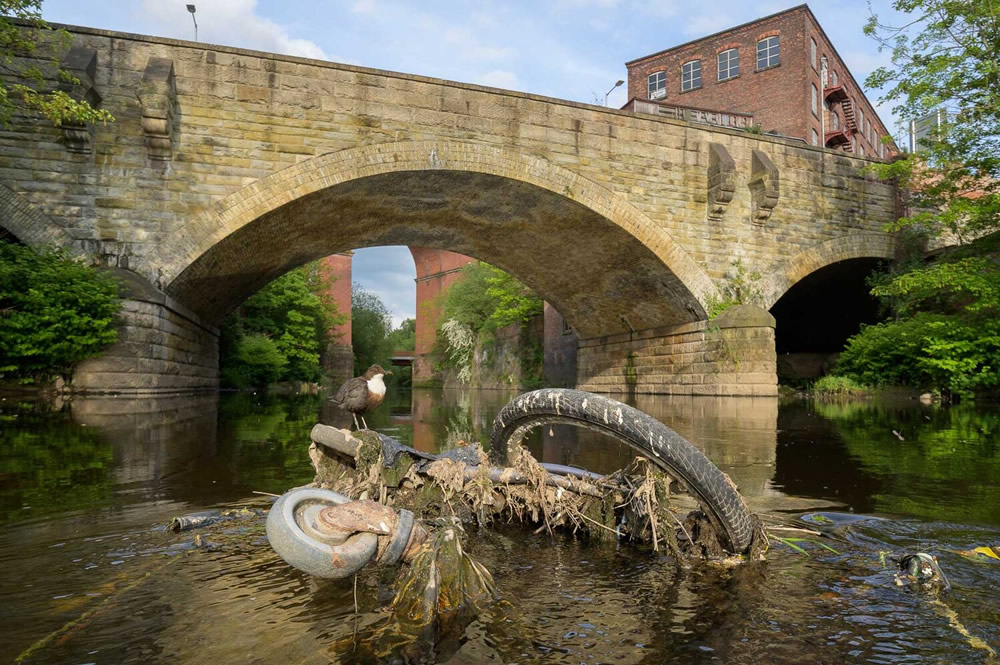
column 661, row 445
column 307, row 554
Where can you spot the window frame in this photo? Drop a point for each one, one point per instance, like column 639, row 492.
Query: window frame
column 815, row 137
column 687, row 76
column 767, row 51
column 814, row 101
column 663, row 81
column 729, row 64
column 812, row 52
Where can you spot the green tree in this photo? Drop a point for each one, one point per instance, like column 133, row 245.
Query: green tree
column 371, row 324
column 946, row 58
column 943, row 331
column 487, row 298
column 484, row 299
column 258, row 362
column 404, row 338
column 295, row 314
column 19, row 60
column 54, row 312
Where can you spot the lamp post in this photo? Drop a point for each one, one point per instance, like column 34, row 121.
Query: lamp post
column 611, row 90
column 191, row 8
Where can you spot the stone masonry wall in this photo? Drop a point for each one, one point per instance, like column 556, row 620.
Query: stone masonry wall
column 240, row 116
column 161, row 348
column 731, row 355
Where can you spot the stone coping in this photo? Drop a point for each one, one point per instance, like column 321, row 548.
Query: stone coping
column 113, row 34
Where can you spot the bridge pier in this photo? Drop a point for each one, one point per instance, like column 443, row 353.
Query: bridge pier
column 162, row 347
column 732, row 354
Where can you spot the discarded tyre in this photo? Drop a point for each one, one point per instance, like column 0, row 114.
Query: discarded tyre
column 294, row 534
column 711, row 488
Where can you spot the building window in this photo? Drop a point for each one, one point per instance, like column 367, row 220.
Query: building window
column 861, row 149
column 656, row 85
column 767, row 53
column 815, row 99
column 729, row 64
column 861, row 121
column 812, row 52
column 815, row 137
column 835, row 120
column 835, row 81
column 691, row 75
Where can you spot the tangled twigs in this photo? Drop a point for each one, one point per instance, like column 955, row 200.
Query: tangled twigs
column 631, row 504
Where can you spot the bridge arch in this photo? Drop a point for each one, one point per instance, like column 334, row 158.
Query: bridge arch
column 28, row 224
column 586, row 250
column 783, row 276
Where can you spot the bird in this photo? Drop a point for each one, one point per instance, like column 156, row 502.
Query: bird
column 362, row 393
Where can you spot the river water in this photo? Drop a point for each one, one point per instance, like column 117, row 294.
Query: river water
column 90, row 575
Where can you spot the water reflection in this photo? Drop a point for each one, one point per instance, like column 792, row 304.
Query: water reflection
column 83, row 486
column 894, row 456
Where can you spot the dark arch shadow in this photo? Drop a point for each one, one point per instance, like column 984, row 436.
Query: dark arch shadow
column 819, row 313
column 588, row 267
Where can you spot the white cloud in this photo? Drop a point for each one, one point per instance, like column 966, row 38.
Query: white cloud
column 229, row 22
column 388, row 272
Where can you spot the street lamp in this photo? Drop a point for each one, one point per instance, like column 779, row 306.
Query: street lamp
column 191, row 8
column 605, row 94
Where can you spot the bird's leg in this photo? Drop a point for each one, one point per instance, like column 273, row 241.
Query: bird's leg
column 363, row 422
column 356, row 425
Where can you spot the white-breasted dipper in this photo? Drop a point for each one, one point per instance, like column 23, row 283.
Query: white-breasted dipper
column 362, row 393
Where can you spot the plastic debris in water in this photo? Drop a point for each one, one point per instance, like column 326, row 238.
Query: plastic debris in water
column 442, row 582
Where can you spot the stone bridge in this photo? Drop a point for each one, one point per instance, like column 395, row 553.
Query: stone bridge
column 225, row 168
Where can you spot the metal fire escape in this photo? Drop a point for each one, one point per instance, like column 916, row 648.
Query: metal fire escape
column 841, row 138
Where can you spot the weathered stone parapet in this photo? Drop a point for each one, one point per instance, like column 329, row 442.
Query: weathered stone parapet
column 730, row 355
column 162, row 348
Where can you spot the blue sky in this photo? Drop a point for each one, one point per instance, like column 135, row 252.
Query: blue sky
column 571, row 49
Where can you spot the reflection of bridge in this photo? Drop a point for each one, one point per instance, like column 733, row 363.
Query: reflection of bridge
column 225, row 168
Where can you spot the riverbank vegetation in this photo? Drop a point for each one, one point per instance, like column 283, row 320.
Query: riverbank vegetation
column 373, row 337
column 474, row 311
column 943, row 315
column 55, row 311
column 280, row 332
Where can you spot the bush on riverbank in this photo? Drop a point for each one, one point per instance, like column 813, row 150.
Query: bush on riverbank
column 839, row 386
column 946, row 332
column 55, row 311
column 279, row 333
column 484, row 302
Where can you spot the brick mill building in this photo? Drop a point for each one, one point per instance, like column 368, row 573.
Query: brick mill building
column 781, row 69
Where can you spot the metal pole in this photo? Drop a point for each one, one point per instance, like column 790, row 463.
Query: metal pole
column 192, row 9
column 610, row 91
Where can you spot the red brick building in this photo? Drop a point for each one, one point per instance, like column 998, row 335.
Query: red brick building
column 782, row 69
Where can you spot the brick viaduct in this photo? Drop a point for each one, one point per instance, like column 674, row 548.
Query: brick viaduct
column 225, row 168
